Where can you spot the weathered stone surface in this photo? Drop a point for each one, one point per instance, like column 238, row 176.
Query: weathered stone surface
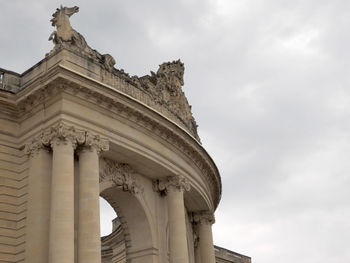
column 66, row 37
column 73, row 128
column 164, row 87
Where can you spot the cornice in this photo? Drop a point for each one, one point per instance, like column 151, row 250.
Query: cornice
column 58, row 82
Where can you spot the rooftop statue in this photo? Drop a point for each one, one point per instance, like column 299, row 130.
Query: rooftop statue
column 66, row 36
column 163, row 87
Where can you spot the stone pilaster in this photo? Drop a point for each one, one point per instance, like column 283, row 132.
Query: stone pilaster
column 89, row 242
column 174, row 187
column 205, row 248
column 63, row 140
column 38, row 202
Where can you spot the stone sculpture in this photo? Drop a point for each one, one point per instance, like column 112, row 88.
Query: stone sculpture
column 66, row 36
column 165, row 88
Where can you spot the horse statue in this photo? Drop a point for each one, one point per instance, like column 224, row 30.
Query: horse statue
column 65, row 35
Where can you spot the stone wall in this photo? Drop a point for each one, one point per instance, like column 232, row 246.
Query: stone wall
column 13, row 190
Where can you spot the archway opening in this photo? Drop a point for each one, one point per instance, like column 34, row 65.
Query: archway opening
column 107, row 215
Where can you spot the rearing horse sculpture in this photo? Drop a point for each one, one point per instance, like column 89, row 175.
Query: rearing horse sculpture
column 65, row 34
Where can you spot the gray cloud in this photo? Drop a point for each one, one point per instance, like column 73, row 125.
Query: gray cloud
column 268, row 81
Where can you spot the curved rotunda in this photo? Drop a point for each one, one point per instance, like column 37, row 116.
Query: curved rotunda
column 74, row 128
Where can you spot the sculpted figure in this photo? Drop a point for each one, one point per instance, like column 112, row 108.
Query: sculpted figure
column 65, row 32
column 165, row 87
column 170, row 77
column 65, row 35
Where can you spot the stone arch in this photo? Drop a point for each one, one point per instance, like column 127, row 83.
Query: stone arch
column 119, row 188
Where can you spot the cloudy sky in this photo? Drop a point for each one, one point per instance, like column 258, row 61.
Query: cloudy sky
column 270, row 88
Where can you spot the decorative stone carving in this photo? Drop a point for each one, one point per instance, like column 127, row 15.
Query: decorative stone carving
column 96, row 142
column 65, row 36
column 174, row 137
column 33, row 147
column 62, row 133
column 202, row 217
column 179, row 182
column 165, row 88
column 120, row 174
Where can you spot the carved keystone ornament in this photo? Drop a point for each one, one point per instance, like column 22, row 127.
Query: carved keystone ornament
column 119, row 174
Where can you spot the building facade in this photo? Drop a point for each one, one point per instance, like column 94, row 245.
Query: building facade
column 74, row 128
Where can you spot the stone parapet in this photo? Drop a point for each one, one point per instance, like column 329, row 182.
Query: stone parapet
column 223, row 255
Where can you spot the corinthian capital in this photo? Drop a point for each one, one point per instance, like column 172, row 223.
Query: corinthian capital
column 93, row 141
column 203, row 217
column 62, row 133
column 178, row 182
column 33, row 146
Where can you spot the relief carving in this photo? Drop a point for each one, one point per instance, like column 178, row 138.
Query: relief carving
column 119, row 174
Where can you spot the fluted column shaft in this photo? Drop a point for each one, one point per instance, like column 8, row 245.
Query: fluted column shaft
column 62, row 202
column 206, row 245
column 38, row 204
column 89, row 242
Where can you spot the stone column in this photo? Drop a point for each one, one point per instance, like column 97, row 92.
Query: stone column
column 89, row 241
column 63, row 141
column 38, row 204
column 204, row 221
column 173, row 188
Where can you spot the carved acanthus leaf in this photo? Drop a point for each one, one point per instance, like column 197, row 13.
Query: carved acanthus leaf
column 179, row 182
column 95, row 141
column 33, row 146
column 202, row 217
column 62, row 133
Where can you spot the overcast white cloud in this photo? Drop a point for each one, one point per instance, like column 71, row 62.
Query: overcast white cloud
column 270, row 88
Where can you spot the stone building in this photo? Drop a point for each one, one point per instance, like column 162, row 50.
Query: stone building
column 74, row 128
